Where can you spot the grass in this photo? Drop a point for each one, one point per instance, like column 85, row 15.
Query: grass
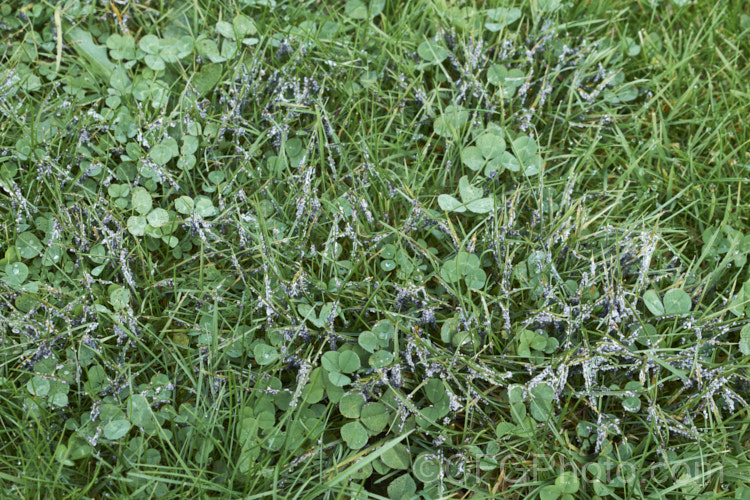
column 229, row 269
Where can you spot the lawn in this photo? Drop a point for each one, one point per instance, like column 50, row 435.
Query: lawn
column 374, row 249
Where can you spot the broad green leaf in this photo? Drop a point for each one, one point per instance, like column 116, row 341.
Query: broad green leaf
column 208, row 48
column 350, row 405
column 374, row 416
column 354, row 435
column 491, row 145
column 475, row 278
column 568, row 482
column 207, row 77
column 139, row 411
column 504, row 429
column 116, row 429
column 472, row 157
column 397, row 457
column 631, row 404
column 150, row 44
column 402, row 488
column 243, row 26
column 330, row 360
column 507, row 80
column 28, row 245
column 338, row 379
column 137, row 225
column 501, row 17
column 450, row 204
column 348, row 362
column 541, row 409
column 677, row 301
column 368, row 341
column 265, row 354
column 543, row 392
column 158, row 217
column 481, row 206
column 204, row 207
column 380, row 359
column 518, row 412
column 551, row 492
column 16, row 273
column 653, row 303
column 356, row 9
column 507, row 161
column 552, row 5
column 745, row 340
column 38, row 386
column 449, row 123
column 432, row 52
column 467, row 192
column 184, row 205
column 94, row 54
column 162, row 153
column 225, row 29
column 121, row 46
column 119, row 297
column 141, row 200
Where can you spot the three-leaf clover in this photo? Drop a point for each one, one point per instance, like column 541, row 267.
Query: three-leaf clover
column 565, row 486
column 339, row 363
column 466, row 265
column 240, row 28
column 507, row 80
column 320, row 319
column 121, row 47
column 158, row 52
column 488, row 152
column 472, row 199
column 527, row 156
column 449, row 123
column 537, row 341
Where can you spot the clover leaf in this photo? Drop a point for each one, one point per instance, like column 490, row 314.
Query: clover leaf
column 28, row 245
column 489, row 148
column 350, row 405
column 449, row 123
column 402, row 487
column 565, row 486
column 378, row 338
column 507, row 80
column 677, row 301
column 15, row 274
column 265, row 354
column 502, row 17
column 471, row 199
column 432, row 52
column 464, row 265
column 375, row 416
column 116, row 429
column 320, row 319
column 121, row 47
column 354, row 435
column 525, row 149
column 357, row 9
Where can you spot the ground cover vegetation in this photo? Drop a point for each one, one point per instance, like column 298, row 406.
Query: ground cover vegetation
column 374, row 249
